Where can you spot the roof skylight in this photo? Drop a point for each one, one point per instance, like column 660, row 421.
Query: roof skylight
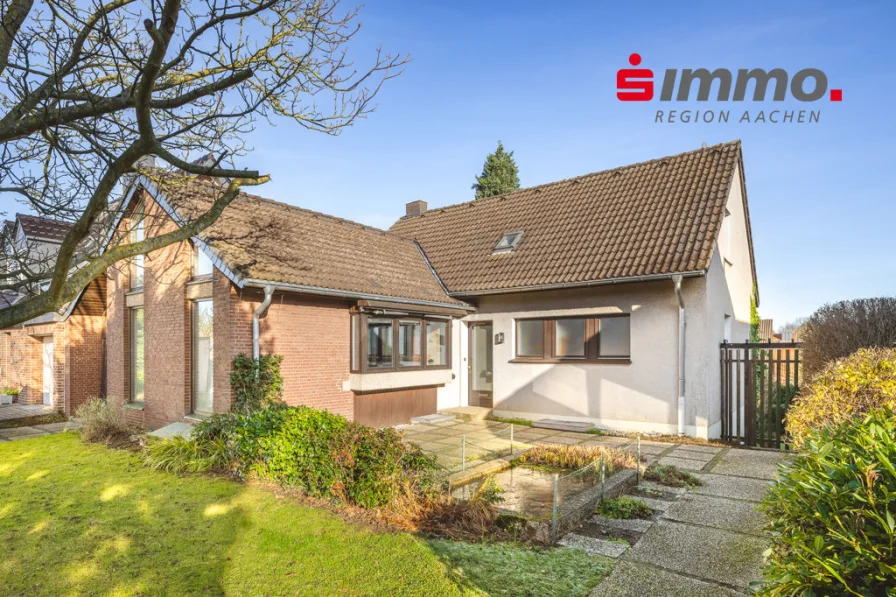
column 508, row 242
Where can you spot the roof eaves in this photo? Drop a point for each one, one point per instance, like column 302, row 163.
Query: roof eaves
column 587, row 283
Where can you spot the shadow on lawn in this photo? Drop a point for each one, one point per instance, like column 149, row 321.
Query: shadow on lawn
column 96, row 521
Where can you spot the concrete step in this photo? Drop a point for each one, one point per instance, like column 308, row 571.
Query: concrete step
column 594, row 546
column 558, row 425
column 433, row 418
column 469, row 414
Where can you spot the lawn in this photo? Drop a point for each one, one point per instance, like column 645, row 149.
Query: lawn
column 79, row 519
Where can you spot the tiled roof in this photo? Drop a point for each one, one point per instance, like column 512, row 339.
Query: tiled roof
column 43, row 228
column 766, row 330
column 266, row 240
column 653, row 218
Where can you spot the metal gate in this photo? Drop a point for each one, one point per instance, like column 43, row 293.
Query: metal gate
column 759, row 381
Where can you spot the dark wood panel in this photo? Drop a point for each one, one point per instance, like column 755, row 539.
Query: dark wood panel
column 383, row 409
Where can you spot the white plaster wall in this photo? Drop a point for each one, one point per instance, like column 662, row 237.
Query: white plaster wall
column 642, row 395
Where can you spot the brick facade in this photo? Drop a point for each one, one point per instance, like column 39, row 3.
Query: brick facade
column 312, row 334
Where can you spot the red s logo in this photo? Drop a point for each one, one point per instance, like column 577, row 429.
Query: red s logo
column 634, row 84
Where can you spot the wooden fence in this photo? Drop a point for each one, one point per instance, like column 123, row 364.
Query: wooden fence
column 759, row 381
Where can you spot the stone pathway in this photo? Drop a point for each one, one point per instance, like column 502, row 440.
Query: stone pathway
column 21, row 411
column 15, row 433
column 706, row 542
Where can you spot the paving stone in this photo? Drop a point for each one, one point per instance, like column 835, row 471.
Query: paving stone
column 563, row 425
column 657, row 487
column 21, row 432
column 732, row 487
column 553, row 441
column 594, row 546
column 528, row 436
column 721, row 513
column 653, row 503
column 712, row 554
column 690, row 455
column 684, row 463
column 645, row 449
column 57, row 427
column 434, row 419
column 758, row 464
column 698, row 448
column 629, row 579
column 636, row 525
column 614, row 439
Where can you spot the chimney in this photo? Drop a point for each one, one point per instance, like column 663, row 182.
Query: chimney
column 415, row 208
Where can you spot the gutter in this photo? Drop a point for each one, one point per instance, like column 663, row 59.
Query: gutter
column 561, row 286
column 252, row 283
column 676, row 279
column 262, row 308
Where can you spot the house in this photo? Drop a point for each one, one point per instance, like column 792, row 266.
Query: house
column 56, row 359
column 602, row 298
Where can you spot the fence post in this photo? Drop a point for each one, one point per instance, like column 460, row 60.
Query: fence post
column 603, row 477
column 511, row 439
column 638, row 464
column 555, row 520
column 463, row 453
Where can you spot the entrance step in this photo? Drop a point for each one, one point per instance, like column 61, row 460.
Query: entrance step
column 184, row 430
column 469, row 414
column 595, row 546
column 558, row 425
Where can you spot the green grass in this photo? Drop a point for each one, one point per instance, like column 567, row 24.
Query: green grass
column 78, row 519
column 671, row 476
column 35, row 420
column 624, row 507
column 515, row 570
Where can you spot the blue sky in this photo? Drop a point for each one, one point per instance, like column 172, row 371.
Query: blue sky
column 542, row 80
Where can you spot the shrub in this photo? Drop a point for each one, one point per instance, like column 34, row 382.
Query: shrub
column 840, row 329
column 256, row 383
column 671, row 476
column 330, row 457
column 850, row 386
column 323, row 454
column 576, row 457
column 832, row 512
column 10, row 391
column 624, row 507
column 103, row 420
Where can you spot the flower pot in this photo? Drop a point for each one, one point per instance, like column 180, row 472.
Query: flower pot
column 7, row 398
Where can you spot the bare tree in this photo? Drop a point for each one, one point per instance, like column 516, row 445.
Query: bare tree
column 89, row 88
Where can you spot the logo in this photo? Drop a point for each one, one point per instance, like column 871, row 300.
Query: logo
column 725, row 85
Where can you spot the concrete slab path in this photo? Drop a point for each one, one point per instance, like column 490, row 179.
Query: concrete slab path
column 709, row 542
column 15, row 433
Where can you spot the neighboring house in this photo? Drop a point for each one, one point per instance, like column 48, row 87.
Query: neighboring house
column 564, row 301
column 767, row 331
column 56, row 359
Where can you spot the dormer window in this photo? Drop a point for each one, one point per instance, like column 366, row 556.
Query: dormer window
column 508, row 242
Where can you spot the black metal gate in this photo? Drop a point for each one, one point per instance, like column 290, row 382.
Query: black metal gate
column 759, row 381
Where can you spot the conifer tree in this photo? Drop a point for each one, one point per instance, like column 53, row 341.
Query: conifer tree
column 499, row 174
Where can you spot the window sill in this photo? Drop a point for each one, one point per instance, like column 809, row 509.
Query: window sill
column 200, row 279
column 135, row 290
column 622, row 361
column 135, row 405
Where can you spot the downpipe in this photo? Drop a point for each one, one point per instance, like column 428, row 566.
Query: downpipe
column 676, row 279
column 262, row 308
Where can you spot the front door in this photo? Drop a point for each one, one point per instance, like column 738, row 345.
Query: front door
column 480, row 366
column 48, row 370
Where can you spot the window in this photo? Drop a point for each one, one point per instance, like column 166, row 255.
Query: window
column 203, row 356
column 409, row 343
column 436, row 343
column 508, row 242
column 381, row 343
column 562, row 339
column 202, row 265
column 137, row 234
column 137, row 360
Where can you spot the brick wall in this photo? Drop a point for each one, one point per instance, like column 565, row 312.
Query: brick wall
column 83, row 360
column 22, row 362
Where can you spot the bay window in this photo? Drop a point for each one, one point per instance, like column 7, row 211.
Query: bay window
column 385, row 343
column 603, row 338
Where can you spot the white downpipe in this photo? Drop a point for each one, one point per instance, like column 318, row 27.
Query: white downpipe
column 268, row 295
column 676, row 279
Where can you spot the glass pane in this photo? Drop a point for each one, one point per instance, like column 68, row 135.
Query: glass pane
column 615, row 338
column 530, row 338
column 137, row 361
column 137, row 235
column 436, row 343
column 569, row 339
column 203, row 265
column 409, row 343
column 203, row 357
column 379, row 343
column 137, row 272
column 481, row 358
